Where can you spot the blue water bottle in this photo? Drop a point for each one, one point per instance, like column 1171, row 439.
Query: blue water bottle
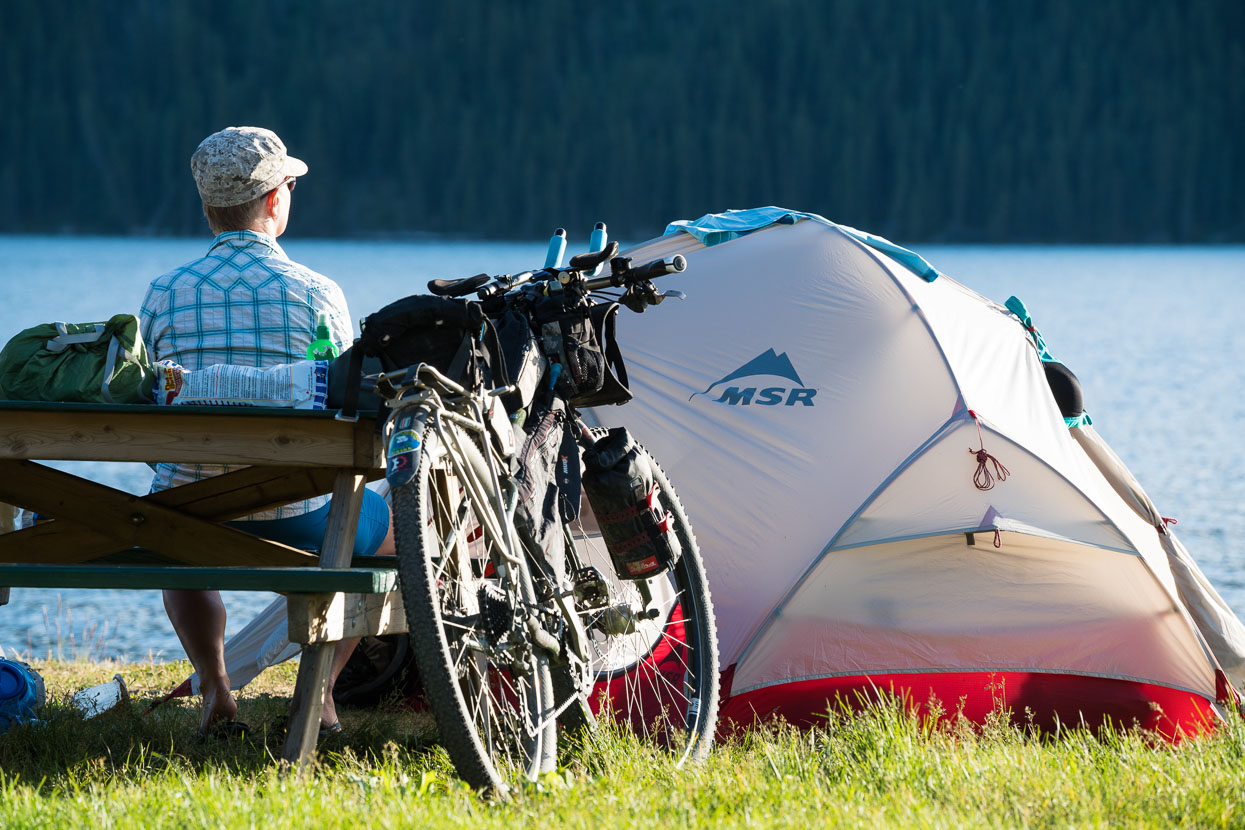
column 557, row 247
column 22, row 693
column 596, row 242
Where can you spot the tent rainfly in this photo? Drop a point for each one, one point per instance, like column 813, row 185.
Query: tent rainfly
column 888, row 495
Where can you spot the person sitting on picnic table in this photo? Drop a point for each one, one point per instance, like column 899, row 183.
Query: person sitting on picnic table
column 246, row 303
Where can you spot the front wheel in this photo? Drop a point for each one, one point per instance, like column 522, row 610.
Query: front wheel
column 468, row 609
column 653, row 644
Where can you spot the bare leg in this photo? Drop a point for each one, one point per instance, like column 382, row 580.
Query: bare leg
column 387, row 546
column 343, row 650
column 198, row 617
column 341, row 655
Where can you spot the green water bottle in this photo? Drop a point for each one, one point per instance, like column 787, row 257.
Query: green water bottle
column 322, row 348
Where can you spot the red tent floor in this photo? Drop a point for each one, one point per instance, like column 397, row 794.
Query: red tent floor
column 1043, row 699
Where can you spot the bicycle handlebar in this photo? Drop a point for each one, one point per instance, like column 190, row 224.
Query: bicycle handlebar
column 621, row 274
column 657, row 268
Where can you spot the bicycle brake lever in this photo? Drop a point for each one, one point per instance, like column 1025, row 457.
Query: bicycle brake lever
column 648, row 296
column 639, row 296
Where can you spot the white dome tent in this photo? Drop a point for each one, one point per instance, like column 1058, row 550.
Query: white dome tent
column 887, row 496
column 821, row 403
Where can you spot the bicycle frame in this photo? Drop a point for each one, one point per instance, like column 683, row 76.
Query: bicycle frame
column 423, row 401
column 426, row 399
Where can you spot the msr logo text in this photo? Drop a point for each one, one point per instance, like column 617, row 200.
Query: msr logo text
column 767, row 363
column 770, row 396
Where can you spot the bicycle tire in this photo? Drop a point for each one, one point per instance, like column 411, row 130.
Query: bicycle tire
column 660, row 680
column 488, row 685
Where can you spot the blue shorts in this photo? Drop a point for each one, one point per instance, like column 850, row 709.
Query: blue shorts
column 306, row 532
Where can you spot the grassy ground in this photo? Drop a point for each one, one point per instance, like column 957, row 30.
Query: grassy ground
column 880, row 768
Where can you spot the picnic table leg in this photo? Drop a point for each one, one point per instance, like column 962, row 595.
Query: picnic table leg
column 8, row 523
column 307, row 703
column 316, row 662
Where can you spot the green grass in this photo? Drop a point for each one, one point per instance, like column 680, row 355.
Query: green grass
column 879, row 768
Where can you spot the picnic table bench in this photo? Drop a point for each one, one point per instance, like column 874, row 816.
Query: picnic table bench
column 101, row 537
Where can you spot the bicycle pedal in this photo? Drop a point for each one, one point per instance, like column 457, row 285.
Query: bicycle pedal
column 590, row 587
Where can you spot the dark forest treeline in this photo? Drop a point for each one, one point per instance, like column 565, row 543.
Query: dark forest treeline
column 984, row 120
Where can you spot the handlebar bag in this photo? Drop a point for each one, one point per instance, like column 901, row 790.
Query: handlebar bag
column 623, row 492
column 85, row 362
column 583, row 351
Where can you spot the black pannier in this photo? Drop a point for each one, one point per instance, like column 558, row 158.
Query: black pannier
column 439, row 331
column 452, row 335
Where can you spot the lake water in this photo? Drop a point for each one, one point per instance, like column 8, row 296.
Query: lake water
column 1154, row 334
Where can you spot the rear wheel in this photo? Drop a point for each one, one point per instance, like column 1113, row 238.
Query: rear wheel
column 469, row 612
column 653, row 646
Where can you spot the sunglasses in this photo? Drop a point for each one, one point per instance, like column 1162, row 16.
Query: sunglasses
column 291, row 181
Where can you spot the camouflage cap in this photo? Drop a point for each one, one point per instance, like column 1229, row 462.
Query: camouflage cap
column 239, row 164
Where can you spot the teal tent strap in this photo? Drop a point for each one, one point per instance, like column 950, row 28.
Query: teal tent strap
column 1016, row 307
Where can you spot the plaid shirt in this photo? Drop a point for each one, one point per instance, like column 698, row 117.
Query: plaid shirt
column 244, row 304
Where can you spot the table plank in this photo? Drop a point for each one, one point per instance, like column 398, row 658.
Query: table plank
column 215, row 435
column 305, row 580
column 316, row 662
column 331, row 618
column 8, row 522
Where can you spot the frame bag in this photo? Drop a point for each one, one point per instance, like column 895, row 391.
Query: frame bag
column 525, row 361
column 548, row 480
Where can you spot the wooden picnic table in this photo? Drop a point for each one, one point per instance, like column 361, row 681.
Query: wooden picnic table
column 101, row 537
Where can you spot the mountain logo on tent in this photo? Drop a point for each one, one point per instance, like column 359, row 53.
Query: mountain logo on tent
column 767, row 363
